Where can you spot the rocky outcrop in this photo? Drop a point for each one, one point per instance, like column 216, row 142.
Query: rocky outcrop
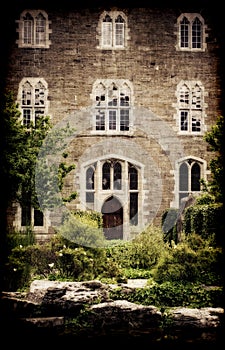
column 84, row 310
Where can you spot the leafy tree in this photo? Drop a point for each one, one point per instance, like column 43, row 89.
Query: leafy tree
column 215, row 138
column 23, row 157
column 24, row 154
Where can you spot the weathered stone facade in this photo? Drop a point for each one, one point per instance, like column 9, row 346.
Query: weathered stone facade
column 74, row 66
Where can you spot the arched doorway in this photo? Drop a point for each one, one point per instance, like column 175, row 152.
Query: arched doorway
column 112, row 211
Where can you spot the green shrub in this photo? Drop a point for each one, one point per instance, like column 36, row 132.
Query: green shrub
column 82, row 228
column 174, row 294
column 194, row 260
column 204, row 219
column 143, row 252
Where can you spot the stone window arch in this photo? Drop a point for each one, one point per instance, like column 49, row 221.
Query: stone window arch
column 112, row 101
column 34, row 29
column 190, row 106
column 32, row 99
column 112, row 30
column 191, row 32
column 189, row 172
column 115, row 177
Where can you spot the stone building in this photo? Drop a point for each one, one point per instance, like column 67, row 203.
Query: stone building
column 139, row 85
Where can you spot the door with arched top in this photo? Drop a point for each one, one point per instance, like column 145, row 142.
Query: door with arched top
column 112, row 211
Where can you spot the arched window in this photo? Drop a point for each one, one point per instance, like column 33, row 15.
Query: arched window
column 189, row 178
column 112, row 105
column 34, row 29
column 113, row 178
column 32, row 99
column 191, row 32
column 112, row 30
column 90, row 184
column 190, row 106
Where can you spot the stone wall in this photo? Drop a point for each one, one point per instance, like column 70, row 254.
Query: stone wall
column 74, row 61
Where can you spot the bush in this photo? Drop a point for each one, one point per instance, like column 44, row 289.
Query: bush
column 82, row 228
column 194, row 260
column 204, row 219
column 143, row 252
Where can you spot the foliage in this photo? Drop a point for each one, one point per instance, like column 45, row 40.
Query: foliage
column 215, row 139
column 193, row 260
column 24, row 153
column 142, row 252
column 20, row 150
column 204, row 219
column 176, row 294
column 81, row 228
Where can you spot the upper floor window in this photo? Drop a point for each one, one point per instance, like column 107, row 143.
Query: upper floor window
column 191, row 32
column 112, row 100
column 190, row 107
column 112, row 30
column 34, row 29
column 32, row 99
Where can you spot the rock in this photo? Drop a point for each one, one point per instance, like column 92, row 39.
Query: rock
column 84, row 310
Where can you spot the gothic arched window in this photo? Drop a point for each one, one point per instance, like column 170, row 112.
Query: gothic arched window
column 190, row 105
column 112, row 99
column 34, row 29
column 32, row 99
column 112, row 30
column 191, row 32
column 190, row 174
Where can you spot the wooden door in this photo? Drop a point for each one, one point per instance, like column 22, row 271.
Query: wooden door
column 112, row 211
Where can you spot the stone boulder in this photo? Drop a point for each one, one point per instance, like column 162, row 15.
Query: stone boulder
column 84, row 310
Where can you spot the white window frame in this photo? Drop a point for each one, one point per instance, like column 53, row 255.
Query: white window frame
column 38, row 31
column 31, row 104
column 191, row 18
column 111, row 110
column 190, row 101
column 203, row 175
column 112, row 35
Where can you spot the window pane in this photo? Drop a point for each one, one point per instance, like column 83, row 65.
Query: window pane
column 107, row 34
column 133, row 178
column 195, row 177
column 195, row 124
column 119, row 34
column 106, row 176
column 196, row 34
column 89, row 197
column 184, row 121
column 40, row 29
column 184, row 32
column 38, row 218
column 117, row 176
column 100, row 120
column 124, row 120
column 28, row 27
column 26, row 117
column 183, row 177
column 90, row 179
column 112, row 120
column 133, row 208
